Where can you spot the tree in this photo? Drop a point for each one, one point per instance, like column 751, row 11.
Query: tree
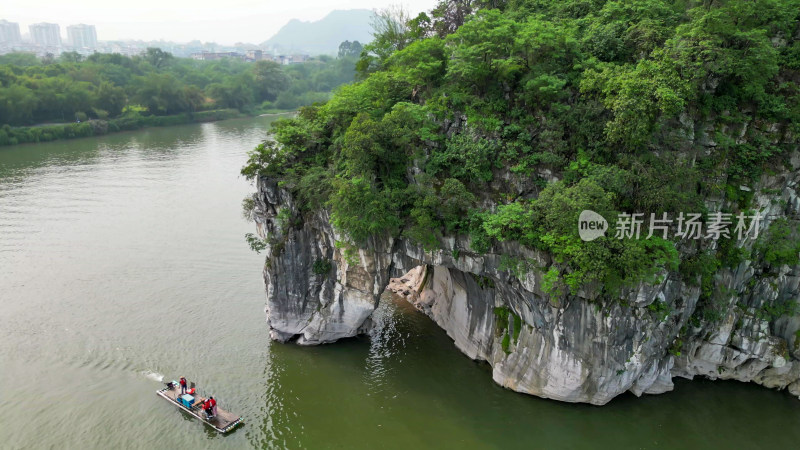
column 162, row 94
column 71, row 57
column 270, row 80
column 638, row 96
column 157, row 57
column 625, row 31
column 391, row 33
column 420, row 27
column 110, row 98
column 482, row 48
column 233, row 93
column 423, row 62
column 20, row 59
column 17, row 104
column 349, row 49
column 360, row 209
column 194, row 98
column 449, row 15
column 75, row 98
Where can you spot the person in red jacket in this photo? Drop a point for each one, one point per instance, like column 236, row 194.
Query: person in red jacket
column 210, row 407
column 183, row 385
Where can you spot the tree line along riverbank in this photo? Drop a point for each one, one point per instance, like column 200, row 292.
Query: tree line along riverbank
column 50, row 98
column 98, row 127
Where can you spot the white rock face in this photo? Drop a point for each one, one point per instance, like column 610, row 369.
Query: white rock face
column 574, row 349
column 540, row 360
column 308, row 305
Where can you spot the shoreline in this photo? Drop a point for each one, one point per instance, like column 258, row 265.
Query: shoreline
column 11, row 136
column 289, row 111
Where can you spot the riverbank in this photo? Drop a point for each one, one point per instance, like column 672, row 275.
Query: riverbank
column 98, row 127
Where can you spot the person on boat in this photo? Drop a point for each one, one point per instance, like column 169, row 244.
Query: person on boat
column 210, row 407
column 183, row 385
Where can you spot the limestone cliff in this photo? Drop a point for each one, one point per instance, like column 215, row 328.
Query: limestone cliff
column 320, row 290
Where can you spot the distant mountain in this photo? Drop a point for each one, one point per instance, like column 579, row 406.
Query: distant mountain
column 323, row 36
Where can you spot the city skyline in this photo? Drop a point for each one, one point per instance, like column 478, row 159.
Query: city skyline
column 245, row 21
column 46, row 37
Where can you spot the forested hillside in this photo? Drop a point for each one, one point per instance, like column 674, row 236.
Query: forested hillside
column 505, row 119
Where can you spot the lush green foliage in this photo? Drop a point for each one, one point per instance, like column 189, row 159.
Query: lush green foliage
column 256, row 244
column 780, row 244
column 504, row 120
column 322, row 267
column 507, row 325
column 108, row 86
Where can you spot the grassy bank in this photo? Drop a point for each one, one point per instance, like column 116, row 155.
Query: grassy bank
column 45, row 133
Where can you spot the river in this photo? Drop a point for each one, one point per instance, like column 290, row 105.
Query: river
column 123, row 260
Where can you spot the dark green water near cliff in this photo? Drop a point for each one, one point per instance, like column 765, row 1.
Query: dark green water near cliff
column 122, row 260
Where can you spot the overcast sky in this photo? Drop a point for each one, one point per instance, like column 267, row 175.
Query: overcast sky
column 224, row 21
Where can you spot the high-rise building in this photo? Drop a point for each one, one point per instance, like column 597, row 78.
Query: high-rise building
column 46, row 34
column 9, row 33
column 82, row 36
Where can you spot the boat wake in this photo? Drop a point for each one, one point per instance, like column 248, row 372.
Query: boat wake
column 155, row 376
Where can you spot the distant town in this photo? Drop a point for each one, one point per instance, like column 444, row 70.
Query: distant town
column 46, row 38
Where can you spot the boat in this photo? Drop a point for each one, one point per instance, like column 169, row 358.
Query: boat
column 191, row 403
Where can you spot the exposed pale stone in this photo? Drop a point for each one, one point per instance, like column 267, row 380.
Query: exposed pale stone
column 571, row 350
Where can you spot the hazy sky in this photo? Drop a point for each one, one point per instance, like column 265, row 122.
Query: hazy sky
column 222, row 21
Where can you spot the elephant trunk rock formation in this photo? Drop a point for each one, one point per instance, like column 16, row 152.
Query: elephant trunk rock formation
column 320, row 290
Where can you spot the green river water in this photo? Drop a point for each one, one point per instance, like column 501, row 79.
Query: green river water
column 123, row 260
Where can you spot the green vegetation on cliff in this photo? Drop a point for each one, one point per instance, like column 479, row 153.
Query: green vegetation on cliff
column 504, row 120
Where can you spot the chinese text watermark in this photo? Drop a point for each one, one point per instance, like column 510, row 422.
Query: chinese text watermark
column 592, row 225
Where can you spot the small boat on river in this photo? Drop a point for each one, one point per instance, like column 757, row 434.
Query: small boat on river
column 223, row 421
